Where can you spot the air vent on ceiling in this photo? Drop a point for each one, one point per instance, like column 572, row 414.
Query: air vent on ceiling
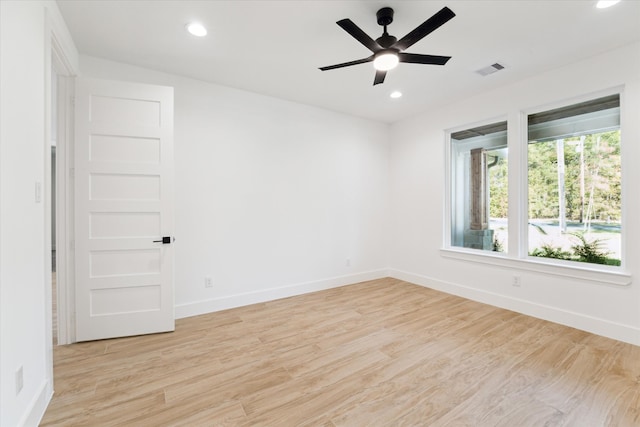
column 490, row 69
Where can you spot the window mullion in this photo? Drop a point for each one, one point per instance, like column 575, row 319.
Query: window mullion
column 518, row 216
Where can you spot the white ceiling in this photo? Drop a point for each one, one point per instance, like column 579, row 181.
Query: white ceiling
column 276, row 47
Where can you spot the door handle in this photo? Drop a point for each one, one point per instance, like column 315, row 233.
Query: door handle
column 165, row 240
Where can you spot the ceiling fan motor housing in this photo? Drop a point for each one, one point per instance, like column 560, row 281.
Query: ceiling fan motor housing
column 386, row 41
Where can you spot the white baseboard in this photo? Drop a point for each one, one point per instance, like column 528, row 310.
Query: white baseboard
column 37, row 407
column 248, row 298
column 580, row 321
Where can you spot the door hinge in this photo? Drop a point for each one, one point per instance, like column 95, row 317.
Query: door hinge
column 72, row 172
column 73, row 101
column 72, row 245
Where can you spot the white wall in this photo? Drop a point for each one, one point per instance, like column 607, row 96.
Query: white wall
column 417, row 183
column 22, row 297
column 272, row 197
column 25, row 278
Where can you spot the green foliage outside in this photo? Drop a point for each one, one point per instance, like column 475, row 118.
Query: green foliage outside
column 598, row 198
column 592, row 177
column 498, row 189
column 548, row 251
column 497, row 245
column 582, row 251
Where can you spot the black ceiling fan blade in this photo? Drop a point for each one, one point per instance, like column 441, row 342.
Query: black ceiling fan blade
column 425, row 28
column 347, row 64
column 380, row 75
column 358, row 34
column 416, row 58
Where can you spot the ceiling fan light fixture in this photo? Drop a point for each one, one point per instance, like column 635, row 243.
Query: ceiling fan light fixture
column 196, row 29
column 386, row 60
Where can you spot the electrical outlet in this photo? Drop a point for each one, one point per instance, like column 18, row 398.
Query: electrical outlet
column 208, row 282
column 19, row 380
column 515, row 281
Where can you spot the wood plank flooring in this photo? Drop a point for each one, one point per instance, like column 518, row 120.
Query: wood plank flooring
column 379, row 353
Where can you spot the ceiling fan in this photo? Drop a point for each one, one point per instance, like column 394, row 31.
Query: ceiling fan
column 387, row 49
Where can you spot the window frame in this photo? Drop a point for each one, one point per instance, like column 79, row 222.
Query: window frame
column 517, row 256
column 450, row 152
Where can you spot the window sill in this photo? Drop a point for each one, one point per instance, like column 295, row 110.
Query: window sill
column 581, row 271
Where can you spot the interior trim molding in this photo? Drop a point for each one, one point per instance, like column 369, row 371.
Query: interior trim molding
column 66, row 51
column 581, row 270
column 36, row 409
column 595, row 325
column 238, row 300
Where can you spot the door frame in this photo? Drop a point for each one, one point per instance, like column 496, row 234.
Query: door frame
column 64, row 210
column 61, row 57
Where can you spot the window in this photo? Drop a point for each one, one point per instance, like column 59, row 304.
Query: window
column 565, row 193
column 574, row 182
column 479, row 196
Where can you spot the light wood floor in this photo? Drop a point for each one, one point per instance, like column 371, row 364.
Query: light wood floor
column 380, row 353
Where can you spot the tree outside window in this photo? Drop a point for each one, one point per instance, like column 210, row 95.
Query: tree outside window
column 574, row 182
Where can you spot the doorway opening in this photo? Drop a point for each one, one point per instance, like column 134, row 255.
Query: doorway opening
column 54, row 202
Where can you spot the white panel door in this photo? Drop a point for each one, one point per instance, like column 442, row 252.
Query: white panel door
column 123, row 209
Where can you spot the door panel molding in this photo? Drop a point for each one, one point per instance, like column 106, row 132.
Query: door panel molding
column 123, row 172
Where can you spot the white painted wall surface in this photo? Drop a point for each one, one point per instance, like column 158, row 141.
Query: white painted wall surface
column 22, row 129
column 417, row 181
column 22, row 297
column 272, row 197
column 25, row 286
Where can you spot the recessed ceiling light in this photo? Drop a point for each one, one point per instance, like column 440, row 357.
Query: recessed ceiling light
column 197, row 29
column 603, row 4
column 395, row 94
